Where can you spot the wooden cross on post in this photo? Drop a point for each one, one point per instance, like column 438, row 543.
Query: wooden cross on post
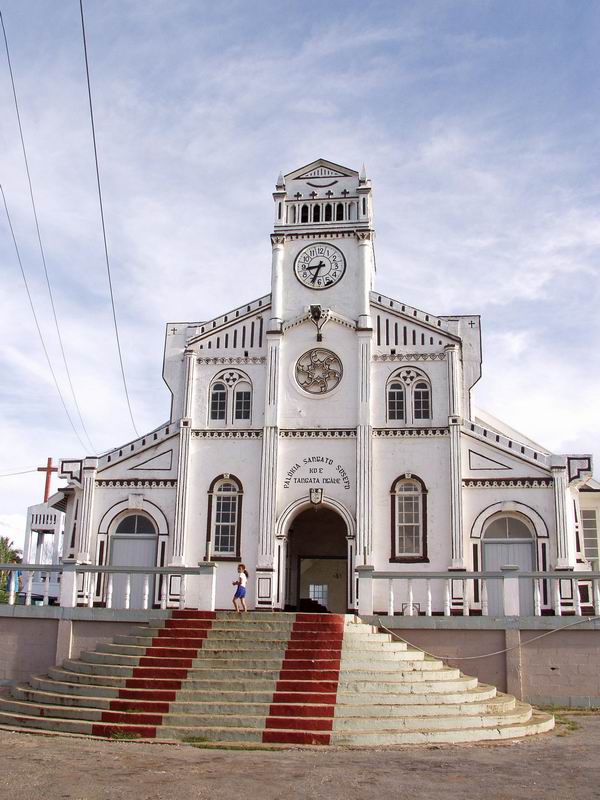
column 48, row 469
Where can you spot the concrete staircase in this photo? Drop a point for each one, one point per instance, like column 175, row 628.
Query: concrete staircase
column 264, row 678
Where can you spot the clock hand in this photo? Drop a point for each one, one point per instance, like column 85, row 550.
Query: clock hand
column 316, row 266
column 316, row 275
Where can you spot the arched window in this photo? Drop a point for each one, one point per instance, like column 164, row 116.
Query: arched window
column 317, row 214
column 328, row 212
column 304, row 213
column 409, row 519
column 506, row 527
column 242, row 409
column 421, row 401
column 339, row 212
column 396, row 404
column 224, row 518
column 135, row 523
column 218, row 401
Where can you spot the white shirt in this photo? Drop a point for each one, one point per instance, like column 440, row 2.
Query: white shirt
column 243, row 580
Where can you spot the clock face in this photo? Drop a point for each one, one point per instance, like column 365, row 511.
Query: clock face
column 320, row 266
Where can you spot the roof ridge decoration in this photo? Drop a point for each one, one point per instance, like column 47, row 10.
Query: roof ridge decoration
column 321, row 168
column 232, row 317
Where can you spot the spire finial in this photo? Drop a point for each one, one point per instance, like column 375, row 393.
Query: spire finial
column 363, row 174
column 280, row 181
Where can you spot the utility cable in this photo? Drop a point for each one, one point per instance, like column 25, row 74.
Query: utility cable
column 37, row 324
column 21, row 472
column 110, row 286
column 496, row 652
column 39, row 238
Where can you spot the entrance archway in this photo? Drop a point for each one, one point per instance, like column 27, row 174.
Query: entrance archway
column 317, row 562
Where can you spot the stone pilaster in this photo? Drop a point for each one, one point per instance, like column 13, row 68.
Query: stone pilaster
column 365, row 271
column 454, row 422
column 185, row 434
column 83, row 545
column 364, row 452
column 565, row 548
column 278, row 248
column 266, row 572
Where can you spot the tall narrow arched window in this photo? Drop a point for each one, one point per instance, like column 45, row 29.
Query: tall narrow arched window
column 339, row 212
column 328, row 212
column 409, row 519
column 421, row 400
column 317, row 213
column 224, row 518
column 304, row 213
column 218, row 401
column 396, row 403
column 242, row 403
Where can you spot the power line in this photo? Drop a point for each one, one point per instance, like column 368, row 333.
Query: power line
column 37, row 324
column 39, row 238
column 22, row 472
column 112, row 297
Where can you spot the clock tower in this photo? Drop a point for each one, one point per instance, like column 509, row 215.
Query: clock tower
column 322, row 243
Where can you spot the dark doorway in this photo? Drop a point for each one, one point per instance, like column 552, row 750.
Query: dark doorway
column 317, row 562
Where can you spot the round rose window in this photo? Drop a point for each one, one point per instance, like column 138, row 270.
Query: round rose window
column 318, row 371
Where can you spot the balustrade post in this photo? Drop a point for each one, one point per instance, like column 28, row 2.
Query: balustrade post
column 557, row 600
column 391, row 597
column 484, row 598
column 46, row 599
column 596, row 597
column 109, row 590
column 146, row 592
column 365, row 589
column 68, row 584
column 510, row 590
column 163, row 592
column 128, row 590
column 182, row 591
column 410, row 597
column 537, row 598
column 576, row 595
column 28, row 585
column 428, row 610
column 447, row 598
column 91, row 589
column 465, row 590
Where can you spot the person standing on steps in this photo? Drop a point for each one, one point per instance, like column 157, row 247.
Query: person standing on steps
column 240, row 592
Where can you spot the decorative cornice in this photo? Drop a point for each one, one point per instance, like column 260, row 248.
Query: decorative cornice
column 226, row 360
column 409, row 357
column 317, row 234
column 137, row 483
column 229, row 434
column 365, row 236
column 331, row 433
column 277, row 238
column 383, row 433
column 507, row 483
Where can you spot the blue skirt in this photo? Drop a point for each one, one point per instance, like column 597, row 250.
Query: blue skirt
column 240, row 592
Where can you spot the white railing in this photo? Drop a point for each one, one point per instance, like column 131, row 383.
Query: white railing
column 509, row 593
column 96, row 586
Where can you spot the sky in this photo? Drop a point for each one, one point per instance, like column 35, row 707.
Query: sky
column 479, row 125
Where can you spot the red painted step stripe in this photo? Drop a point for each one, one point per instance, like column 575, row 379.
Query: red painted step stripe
column 172, row 652
column 138, row 730
column 306, row 686
column 295, row 675
column 295, row 737
column 298, row 723
column 188, row 624
column 190, row 613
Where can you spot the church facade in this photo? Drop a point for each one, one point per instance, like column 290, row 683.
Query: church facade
column 325, row 426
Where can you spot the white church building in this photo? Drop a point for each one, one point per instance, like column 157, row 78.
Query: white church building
column 323, row 427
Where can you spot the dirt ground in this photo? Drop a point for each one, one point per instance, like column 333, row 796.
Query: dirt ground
column 565, row 763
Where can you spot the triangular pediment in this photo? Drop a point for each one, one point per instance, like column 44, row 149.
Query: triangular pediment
column 488, row 456
column 479, row 462
column 321, row 168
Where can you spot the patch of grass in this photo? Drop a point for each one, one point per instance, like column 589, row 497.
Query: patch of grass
column 125, row 735
column 561, row 710
column 195, row 739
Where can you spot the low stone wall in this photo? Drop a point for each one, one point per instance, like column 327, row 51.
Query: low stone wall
column 561, row 668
